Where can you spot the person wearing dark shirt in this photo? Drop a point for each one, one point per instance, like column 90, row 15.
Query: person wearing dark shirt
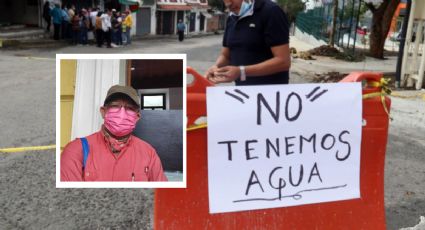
column 255, row 45
column 46, row 15
column 181, row 27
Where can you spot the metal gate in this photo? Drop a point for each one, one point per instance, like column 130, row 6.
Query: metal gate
column 143, row 21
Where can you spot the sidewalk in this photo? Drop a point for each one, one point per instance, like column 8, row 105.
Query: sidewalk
column 326, row 64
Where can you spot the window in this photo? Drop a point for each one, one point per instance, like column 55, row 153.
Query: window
column 153, row 101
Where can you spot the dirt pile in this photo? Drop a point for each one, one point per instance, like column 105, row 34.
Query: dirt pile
column 324, row 50
column 329, row 77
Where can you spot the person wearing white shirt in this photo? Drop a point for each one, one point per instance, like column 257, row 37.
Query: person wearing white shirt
column 106, row 27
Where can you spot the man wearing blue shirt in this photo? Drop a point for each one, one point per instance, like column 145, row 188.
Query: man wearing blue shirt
column 181, row 27
column 56, row 14
column 66, row 27
column 255, row 45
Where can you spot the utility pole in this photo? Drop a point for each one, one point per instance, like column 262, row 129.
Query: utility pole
column 333, row 30
column 402, row 42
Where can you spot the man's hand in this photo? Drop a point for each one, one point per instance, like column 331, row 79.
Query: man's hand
column 210, row 72
column 225, row 74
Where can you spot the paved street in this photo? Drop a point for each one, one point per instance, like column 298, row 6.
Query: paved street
column 28, row 196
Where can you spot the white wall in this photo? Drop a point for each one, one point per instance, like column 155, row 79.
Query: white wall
column 94, row 78
column 197, row 22
column 153, row 19
column 133, row 28
column 308, row 38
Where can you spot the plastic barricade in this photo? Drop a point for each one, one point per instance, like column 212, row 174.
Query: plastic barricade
column 188, row 208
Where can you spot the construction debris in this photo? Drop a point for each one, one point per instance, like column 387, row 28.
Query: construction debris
column 329, row 77
column 306, row 55
column 324, row 50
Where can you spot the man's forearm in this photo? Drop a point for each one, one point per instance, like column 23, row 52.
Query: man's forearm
column 271, row 66
column 221, row 61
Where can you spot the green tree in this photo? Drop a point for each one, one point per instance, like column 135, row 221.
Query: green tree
column 348, row 10
column 291, row 8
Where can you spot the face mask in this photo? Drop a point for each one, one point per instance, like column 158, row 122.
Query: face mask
column 120, row 122
column 244, row 8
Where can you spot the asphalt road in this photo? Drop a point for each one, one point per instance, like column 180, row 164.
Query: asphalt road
column 28, row 196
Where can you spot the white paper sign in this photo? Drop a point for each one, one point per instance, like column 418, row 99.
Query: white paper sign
column 283, row 145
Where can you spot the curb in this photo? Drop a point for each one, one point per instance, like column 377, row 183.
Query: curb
column 174, row 36
column 49, row 43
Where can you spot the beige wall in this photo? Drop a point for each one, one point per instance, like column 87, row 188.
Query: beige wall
column 67, row 91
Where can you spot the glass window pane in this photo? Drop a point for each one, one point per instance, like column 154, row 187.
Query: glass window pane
column 156, row 100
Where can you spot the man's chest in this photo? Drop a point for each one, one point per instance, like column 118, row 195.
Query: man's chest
column 247, row 32
column 106, row 166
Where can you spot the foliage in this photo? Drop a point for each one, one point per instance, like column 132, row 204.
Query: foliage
column 291, row 8
column 348, row 10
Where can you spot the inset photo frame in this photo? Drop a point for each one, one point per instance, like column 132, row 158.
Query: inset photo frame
column 120, row 121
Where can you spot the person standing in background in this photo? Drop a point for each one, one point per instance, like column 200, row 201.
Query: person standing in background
column 119, row 29
column 92, row 16
column 128, row 22
column 181, row 27
column 65, row 23
column 84, row 26
column 75, row 23
column 114, row 27
column 46, row 15
column 98, row 28
column 56, row 14
column 106, row 27
column 123, row 29
column 71, row 11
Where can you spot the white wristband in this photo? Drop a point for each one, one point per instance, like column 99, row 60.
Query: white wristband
column 243, row 74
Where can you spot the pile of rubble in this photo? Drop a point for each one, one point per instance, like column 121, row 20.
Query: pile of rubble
column 329, row 77
column 324, row 50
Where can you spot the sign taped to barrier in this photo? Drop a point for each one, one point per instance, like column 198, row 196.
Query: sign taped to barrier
column 283, row 145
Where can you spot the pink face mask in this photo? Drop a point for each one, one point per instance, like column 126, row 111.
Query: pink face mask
column 120, row 122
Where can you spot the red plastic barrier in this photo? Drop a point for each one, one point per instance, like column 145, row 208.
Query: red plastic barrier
column 188, row 208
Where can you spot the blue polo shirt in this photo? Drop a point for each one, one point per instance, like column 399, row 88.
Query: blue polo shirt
column 250, row 39
column 56, row 14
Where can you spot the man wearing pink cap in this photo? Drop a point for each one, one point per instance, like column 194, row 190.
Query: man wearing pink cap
column 113, row 153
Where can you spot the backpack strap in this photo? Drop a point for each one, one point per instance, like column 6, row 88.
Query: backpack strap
column 86, row 150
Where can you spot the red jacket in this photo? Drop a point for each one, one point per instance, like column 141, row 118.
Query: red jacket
column 138, row 161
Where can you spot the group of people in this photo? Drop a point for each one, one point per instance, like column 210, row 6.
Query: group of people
column 110, row 26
